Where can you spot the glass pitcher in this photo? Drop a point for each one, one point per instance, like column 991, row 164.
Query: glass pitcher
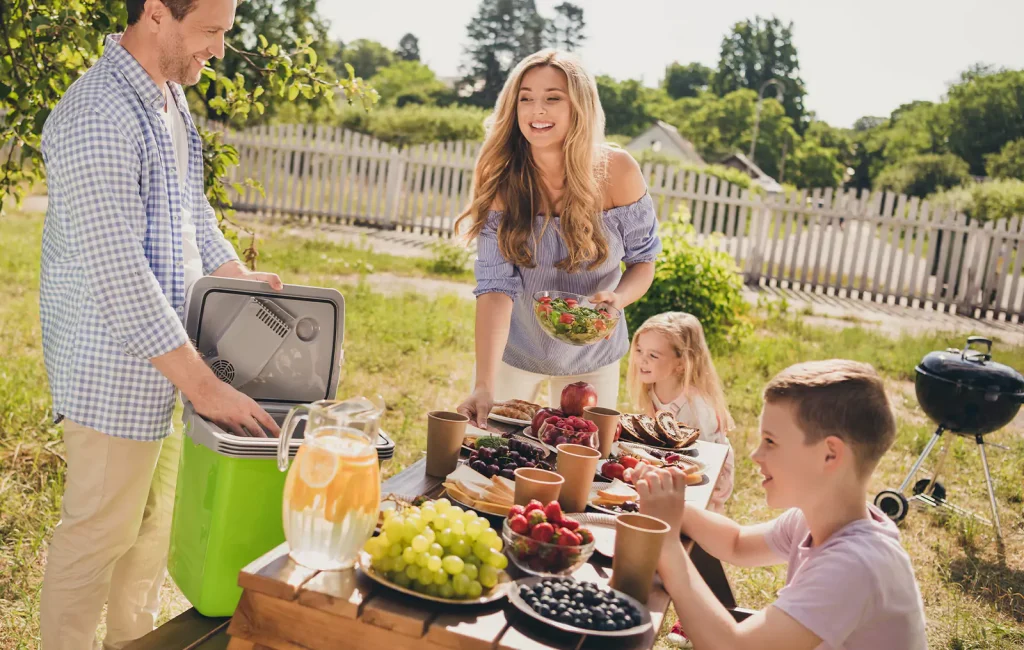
column 332, row 492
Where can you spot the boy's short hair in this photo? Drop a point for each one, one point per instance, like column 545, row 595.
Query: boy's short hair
column 840, row 398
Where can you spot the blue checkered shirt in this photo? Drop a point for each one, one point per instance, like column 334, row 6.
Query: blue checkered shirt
column 112, row 286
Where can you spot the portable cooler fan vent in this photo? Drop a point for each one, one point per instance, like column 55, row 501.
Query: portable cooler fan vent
column 224, row 370
column 250, row 341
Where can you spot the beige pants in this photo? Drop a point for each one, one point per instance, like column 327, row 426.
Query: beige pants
column 513, row 383
column 111, row 543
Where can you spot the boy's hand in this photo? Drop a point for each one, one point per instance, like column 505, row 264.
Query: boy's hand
column 662, row 495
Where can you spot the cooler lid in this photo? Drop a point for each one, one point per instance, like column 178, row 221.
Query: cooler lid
column 283, row 347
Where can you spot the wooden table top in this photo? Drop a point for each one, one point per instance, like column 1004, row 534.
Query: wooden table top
column 288, row 606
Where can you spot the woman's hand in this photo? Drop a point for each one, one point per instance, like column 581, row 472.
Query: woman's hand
column 477, row 407
column 607, row 298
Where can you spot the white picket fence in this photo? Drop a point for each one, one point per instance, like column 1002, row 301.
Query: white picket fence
column 874, row 246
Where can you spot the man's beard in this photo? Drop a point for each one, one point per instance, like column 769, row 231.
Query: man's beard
column 175, row 66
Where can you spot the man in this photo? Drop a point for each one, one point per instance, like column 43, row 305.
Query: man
column 127, row 233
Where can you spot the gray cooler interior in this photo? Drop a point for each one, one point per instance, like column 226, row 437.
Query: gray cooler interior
column 281, row 348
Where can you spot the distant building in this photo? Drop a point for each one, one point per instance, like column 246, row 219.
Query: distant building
column 747, row 166
column 665, row 139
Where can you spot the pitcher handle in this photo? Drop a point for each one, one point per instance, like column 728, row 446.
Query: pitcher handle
column 290, row 422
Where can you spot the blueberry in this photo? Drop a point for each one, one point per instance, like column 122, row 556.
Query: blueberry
column 588, row 623
column 608, row 625
column 627, row 622
column 577, row 621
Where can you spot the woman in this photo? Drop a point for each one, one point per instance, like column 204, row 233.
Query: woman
column 553, row 208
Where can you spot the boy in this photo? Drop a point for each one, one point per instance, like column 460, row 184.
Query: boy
column 850, row 584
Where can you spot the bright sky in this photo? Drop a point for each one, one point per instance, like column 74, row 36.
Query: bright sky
column 857, row 58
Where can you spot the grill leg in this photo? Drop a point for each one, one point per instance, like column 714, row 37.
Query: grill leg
column 988, row 482
column 924, row 454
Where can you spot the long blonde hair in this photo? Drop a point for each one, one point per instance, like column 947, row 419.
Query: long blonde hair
column 505, row 169
column 686, row 336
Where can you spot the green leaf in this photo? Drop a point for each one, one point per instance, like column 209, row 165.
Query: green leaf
column 259, row 107
column 311, row 53
column 263, row 41
column 293, row 92
column 257, row 92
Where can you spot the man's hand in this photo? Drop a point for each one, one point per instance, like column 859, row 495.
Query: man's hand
column 234, row 269
column 233, row 411
column 662, row 495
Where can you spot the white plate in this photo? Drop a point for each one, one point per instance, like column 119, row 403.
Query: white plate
column 502, row 418
column 497, row 592
column 520, row 604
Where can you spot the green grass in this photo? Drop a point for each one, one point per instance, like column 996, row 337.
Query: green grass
column 417, row 352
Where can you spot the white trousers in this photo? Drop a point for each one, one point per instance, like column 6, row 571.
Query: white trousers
column 111, row 544
column 513, row 383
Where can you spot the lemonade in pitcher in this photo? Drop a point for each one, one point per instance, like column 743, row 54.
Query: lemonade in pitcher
column 331, row 497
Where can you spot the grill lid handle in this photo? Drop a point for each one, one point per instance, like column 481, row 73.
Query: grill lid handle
column 981, row 340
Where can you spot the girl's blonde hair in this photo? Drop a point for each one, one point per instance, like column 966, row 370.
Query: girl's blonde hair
column 686, row 336
column 505, row 169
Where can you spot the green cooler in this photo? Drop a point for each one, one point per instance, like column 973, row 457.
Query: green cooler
column 282, row 348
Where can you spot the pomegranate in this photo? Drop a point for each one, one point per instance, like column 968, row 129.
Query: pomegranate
column 578, row 396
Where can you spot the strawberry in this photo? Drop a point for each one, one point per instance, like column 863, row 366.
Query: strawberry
column 543, row 532
column 586, row 537
column 546, row 300
column 519, row 525
column 571, row 524
column 536, row 518
column 567, row 538
column 553, row 511
column 572, row 302
column 533, row 505
column 517, row 510
column 566, row 318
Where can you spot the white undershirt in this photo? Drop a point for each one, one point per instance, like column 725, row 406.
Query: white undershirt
column 179, row 137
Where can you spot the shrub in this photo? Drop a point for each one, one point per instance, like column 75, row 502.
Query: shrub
column 924, row 174
column 450, row 258
column 696, row 279
column 985, row 201
column 1008, row 163
column 416, row 124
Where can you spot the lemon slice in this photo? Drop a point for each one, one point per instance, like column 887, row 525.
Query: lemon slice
column 318, row 467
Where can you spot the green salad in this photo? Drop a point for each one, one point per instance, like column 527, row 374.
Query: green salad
column 566, row 320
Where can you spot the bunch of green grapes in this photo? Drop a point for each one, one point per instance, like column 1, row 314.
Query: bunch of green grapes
column 438, row 549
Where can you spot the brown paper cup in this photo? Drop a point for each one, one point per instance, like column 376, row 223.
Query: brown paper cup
column 445, row 431
column 607, row 421
column 577, row 464
column 638, row 540
column 539, row 484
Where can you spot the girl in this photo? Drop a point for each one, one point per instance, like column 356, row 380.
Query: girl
column 670, row 368
column 553, row 208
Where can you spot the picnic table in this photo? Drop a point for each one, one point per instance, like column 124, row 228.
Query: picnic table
column 289, row 607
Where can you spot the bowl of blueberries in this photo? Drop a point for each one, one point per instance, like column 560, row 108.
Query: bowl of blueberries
column 580, row 607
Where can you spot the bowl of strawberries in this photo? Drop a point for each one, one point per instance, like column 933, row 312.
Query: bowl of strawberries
column 572, row 429
column 541, row 541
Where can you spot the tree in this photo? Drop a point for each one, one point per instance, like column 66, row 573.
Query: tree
column 985, row 113
column 625, row 110
column 814, row 165
column 279, row 21
column 756, row 51
column 47, row 45
column 1008, row 163
column 566, row 30
column 366, row 57
column 686, row 80
column 408, row 48
column 503, row 33
column 406, row 82
column 924, row 174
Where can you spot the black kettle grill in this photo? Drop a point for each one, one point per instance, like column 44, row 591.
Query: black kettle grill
column 965, row 393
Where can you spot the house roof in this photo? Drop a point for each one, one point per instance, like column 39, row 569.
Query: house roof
column 756, row 173
column 685, row 146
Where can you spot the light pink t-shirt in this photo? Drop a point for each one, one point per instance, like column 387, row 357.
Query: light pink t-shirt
column 857, row 590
